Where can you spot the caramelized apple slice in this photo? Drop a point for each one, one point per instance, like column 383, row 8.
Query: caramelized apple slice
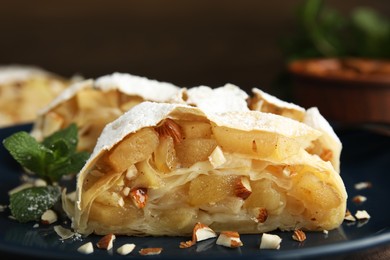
column 255, row 144
column 195, row 129
column 190, row 151
column 165, row 155
column 132, row 149
column 211, row 189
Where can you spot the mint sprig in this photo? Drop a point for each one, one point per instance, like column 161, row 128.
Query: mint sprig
column 29, row 204
column 51, row 159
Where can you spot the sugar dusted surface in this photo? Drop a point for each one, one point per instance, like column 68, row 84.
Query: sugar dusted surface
column 254, row 120
column 19, row 73
column 143, row 115
column 276, row 101
column 148, row 89
column 222, row 99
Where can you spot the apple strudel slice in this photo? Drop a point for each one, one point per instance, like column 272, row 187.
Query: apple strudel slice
column 91, row 104
column 160, row 168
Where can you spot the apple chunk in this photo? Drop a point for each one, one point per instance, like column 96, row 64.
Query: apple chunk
column 132, row 149
column 190, row 151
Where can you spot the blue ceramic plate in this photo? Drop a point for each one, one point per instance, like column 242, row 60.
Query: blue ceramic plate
column 365, row 157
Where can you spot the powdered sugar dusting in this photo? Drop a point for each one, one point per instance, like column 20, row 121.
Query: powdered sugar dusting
column 222, row 99
column 148, row 89
column 276, row 101
column 19, row 73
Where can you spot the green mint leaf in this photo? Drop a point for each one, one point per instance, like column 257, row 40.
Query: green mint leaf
column 29, row 204
column 67, row 135
column 72, row 164
column 27, row 151
column 61, row 150
column 50, row 160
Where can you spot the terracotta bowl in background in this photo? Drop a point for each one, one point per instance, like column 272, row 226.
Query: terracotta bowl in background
column 349, row 90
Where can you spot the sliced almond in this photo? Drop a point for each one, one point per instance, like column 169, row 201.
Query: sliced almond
column 299, row 235
column 139, row 196
column 49, row 217
column 87, row 248
column 150, row 251
column 243, row 189
column 64, row 233
column 106, row 242
column 125, row 249
column 269, row 241
column 229, row 239
column 170, row 128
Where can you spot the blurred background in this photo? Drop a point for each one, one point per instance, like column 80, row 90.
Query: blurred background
column 188, row 43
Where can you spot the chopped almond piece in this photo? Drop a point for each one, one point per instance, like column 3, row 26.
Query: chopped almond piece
column 217, row 157
column 186, row 244
column 229, row 239
column 86, row 248
column 299, row 235
column 139, row 196
column 150, row 251
column 363, row 185
column 348, row 216
column 243, row 188
column 261, row 216
column 170, row 128
column 269, row 241
column 359, row 199
column 126, row 191
column 49, row 217
column 106, row 242
column 200, row 232
column 362, row 214
column 125, row 249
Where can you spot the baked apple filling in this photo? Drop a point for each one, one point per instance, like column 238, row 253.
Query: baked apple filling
column 164, row 178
